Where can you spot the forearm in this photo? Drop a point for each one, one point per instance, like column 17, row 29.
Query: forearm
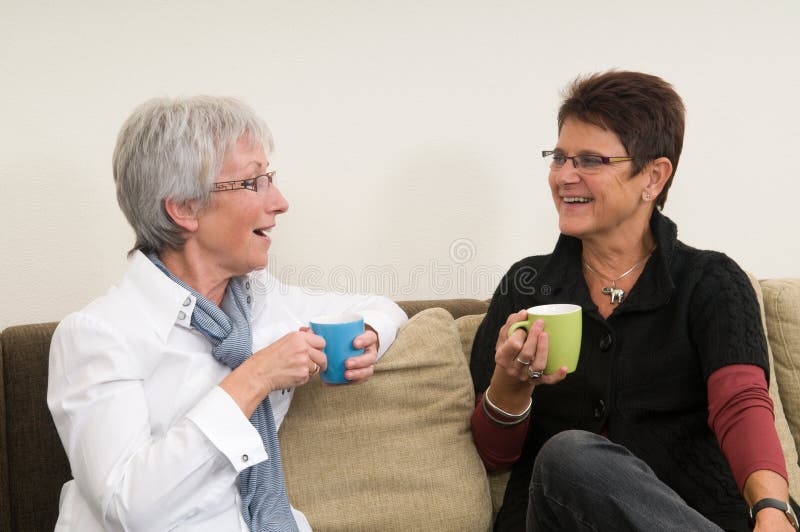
column 741, row 416
column 765, row 483
column 499, row 446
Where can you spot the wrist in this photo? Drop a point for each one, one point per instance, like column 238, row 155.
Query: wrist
column 772, row 512
column 510, row 396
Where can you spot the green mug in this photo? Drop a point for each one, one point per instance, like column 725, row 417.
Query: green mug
column 563, row 324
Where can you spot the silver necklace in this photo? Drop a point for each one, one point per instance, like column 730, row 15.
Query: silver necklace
column 617, row 294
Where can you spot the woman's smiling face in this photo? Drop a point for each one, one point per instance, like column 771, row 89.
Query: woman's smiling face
column 232, row 229
column 595, row 203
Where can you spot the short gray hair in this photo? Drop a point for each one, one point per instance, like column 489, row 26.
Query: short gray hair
column 173, row 148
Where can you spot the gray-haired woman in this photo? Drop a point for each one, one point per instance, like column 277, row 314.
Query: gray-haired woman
column 167, row 392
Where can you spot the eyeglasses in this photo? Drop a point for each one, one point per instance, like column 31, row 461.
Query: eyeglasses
column 259, row 184
column 588, row 163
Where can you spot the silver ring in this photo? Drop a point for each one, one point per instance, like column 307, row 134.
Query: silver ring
column 522, row 362
column 533, row 374
column 315, row 370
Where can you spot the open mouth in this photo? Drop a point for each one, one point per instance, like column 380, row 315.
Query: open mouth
column 576, row 199
column 263, row 231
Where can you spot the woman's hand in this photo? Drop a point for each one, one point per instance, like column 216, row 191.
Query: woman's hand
column 522, row 353
column 286, row 363
column 516, row 357
column 361, row 367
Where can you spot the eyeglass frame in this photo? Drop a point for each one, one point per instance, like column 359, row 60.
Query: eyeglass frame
column 603, row 159
column 244, row 184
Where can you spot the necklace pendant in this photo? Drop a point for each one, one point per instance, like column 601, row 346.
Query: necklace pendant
column 617, row 294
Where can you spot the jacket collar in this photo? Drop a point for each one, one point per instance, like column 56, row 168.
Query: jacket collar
column 563, row 281
column 165, row 304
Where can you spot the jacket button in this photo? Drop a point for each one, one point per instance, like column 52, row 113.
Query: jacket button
column 599, row 409
column 606, row 342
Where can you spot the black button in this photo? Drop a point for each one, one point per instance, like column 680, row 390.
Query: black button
column 606, row 342
column 599, row 409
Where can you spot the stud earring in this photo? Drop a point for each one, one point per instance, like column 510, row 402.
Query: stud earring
column 646, row 195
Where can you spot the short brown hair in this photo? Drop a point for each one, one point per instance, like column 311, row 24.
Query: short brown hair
column 644, row 111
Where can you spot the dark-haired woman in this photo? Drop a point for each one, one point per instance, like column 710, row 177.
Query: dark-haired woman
column 666, row 424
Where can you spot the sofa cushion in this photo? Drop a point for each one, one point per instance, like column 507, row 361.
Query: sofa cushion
column 775, row 393
column 782, row 307
column 393, row 453
column 467, row 327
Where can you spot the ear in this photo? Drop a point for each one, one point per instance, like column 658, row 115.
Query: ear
column 183, row 213
column 658, row 173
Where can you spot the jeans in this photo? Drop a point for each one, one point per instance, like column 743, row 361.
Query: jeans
column 583, row 481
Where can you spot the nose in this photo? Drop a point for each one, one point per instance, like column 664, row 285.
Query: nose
column 274, row 201
column 567, row 174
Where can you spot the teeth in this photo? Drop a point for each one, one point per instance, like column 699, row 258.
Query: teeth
column 577, row 200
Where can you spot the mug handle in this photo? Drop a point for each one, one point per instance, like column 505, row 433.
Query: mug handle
column 526, row 324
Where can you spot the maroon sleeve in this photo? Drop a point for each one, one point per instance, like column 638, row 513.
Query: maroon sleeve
column 499, row 446
column 740, row 412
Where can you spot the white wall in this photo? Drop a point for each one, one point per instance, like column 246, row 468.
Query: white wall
column 407, row 132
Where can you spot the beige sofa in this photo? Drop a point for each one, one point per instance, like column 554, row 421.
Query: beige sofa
column 394, row 453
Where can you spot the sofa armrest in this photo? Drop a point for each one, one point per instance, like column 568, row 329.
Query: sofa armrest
column 37, row 464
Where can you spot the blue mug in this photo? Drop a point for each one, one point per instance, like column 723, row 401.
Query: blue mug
column 339, row 333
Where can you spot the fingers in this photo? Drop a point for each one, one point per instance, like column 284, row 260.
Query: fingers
column 553, row 378
column 522, row 315
column 534, row 349
column 318, row 358
column 317, row 342
column 361, row 361
column 361, row 367
column 358, row 368
column 522, row 355
column 365, row 339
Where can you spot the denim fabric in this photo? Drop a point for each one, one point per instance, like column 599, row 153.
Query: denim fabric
column 582, row 481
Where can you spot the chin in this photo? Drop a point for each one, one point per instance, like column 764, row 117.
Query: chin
column 258, row 264
column 570, row 229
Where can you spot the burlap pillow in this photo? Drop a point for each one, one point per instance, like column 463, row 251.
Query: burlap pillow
column 782, row 306
column 467, row 326
column 393, row 453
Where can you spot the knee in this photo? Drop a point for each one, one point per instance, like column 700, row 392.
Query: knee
column 567, row 452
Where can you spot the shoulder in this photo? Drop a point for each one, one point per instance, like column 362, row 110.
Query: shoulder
column 710, row 270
